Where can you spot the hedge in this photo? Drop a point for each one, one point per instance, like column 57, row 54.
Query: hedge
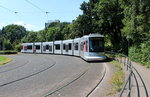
column 8, row 52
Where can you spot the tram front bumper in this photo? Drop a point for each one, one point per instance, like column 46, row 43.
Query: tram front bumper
column 95, row 58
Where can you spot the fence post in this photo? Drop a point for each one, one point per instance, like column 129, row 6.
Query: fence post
column 127, row 63
column 124, row 61
column 121, row 60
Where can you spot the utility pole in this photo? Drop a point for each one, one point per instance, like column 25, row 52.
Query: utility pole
column 3, row 47
column 0, row 45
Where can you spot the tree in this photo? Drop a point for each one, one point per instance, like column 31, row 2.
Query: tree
column 137, row 20
column 137, row 29
column 84, row 24
column 31, row 37
column 7, row 44
column 12, row 35
column 108, row 18
column 54, row 33
column 68, row 32
column 14, row 32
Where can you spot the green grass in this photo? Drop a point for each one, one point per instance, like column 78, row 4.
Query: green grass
column 118, row 78
column 116, row 64
column 4, row 60
column 116, row 55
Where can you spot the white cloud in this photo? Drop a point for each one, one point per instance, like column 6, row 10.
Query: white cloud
column 28, row 26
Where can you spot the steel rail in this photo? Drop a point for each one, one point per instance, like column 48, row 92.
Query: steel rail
column 123, row 88
column 138, row 89
column 97, row 83
column 147, row 95
column 68, row 83
column 15, row 67
column 136, row 82
column 28, row 75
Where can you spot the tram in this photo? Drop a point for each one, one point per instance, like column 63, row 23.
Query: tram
column 89, row 47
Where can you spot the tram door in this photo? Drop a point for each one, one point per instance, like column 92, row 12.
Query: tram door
column 84, row 47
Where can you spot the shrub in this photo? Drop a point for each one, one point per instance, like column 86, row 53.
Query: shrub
column 7, row 44
column 140, row 54
column 117, row 80
column 8, row 52
column 118, row 77
column 18, row 47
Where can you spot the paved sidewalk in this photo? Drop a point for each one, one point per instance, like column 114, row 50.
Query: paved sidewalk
column 145, row 74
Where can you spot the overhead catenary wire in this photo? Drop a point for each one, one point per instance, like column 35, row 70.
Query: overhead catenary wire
column 15, row 12
column 12, row 11
column 30, row 12
column 46, row 12
column 36, row 6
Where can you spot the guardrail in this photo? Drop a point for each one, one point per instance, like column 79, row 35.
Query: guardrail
column 131, row 73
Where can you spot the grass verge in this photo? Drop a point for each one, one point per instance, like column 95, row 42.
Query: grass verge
column 4, row 60
column 118, row 77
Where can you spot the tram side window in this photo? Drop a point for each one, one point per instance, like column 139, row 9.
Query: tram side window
column 64, row 46
column 37, row 47
column 86, row 43
column 25, row 48
column 50, row 48
column 57, row 46
column 69, row 46
column 76, row 46
column 81, row 46
column 47, row 47
column 44, row 48
column 29, row 47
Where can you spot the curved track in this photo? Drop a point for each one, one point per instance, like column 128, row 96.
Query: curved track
column 12, row 65
column 32, row 75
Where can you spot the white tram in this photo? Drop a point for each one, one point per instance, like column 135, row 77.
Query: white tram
column 89, row 47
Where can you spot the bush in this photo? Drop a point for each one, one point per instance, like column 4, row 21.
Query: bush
column 8, row 52
column 140, row 54
column 7, row 44
column 18, row 47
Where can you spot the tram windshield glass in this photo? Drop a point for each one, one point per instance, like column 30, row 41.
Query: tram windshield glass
column 96, row 44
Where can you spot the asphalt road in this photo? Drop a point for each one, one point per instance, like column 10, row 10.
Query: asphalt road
column 38, row 75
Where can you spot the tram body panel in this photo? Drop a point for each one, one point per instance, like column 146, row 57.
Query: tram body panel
column 94, row 56
column 96, row 48
column 58, row 47
column 93, row 48
column 27, row 48
column 67, row 47
column 47, row 47
column 84, row 47
column 76, row 47
column 37, row 47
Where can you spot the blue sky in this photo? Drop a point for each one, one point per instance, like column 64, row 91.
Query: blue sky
column 33, row 18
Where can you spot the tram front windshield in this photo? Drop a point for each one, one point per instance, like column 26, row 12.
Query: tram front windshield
column 96, row 44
